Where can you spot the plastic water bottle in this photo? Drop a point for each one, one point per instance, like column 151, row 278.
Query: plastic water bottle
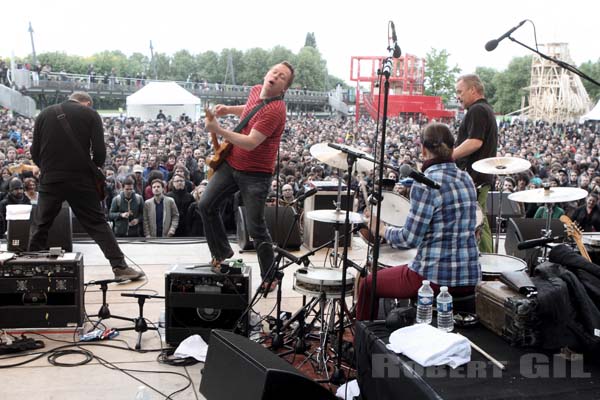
column 162, row 325
column 425, row 304
column 143, row 393
column 445, row 319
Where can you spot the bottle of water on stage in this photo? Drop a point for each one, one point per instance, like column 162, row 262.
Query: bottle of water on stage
column 445, row 319
column 425, row 304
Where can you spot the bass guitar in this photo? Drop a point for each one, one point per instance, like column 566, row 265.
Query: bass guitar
column 574, row 231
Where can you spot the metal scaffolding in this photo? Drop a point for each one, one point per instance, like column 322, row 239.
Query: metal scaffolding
column 556, row 94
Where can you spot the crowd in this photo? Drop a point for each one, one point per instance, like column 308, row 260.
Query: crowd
column 165, row 158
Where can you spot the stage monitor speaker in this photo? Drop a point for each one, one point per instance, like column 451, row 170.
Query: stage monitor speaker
column 317, row 233
column 279, row 231
column 509, row 208
column 59, row 235
column 42, row 292
column 258, row 373
column 520, row 229
column 198, row 300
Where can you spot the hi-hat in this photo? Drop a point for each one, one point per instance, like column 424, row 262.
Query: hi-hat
column 549, row 195
column 501, row 165
column 337, row 158
column 334, row 216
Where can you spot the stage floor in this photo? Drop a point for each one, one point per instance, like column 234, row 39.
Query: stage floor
column 42, row 381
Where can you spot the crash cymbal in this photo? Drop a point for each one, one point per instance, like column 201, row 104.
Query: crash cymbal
column 334, row 216
column 337, row 158
column 501, row 165
column 549, row 195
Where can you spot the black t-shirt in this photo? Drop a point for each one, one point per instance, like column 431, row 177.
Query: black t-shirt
column 478, row 123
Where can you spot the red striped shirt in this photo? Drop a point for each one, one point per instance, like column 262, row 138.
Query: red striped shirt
column 270, row 121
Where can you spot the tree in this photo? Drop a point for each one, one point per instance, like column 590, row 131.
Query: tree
column 183, row 65
column 208, row 66
column 60, row 61
column 163, row 67
column 510, row 85
column 487, row 77
column 310, row 40
column 256, row 65
column 309, row 69
column 106, row 60
column 440, row 79
column 136, row 64
column 591, row 69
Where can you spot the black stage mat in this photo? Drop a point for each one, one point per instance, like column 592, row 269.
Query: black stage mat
column 529, row 373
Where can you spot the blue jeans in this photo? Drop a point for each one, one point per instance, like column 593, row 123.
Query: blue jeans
column 254, row 188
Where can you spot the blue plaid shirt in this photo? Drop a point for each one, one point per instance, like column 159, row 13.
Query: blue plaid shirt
column 441, row 225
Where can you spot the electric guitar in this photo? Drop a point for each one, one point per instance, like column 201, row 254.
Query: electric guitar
column 574, row 231
column 221, row 149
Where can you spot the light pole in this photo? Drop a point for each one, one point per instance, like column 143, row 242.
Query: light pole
column 34, row 61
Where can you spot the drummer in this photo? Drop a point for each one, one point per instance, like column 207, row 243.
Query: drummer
column 440, row 224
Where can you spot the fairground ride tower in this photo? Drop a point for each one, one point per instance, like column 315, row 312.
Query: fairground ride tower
column 406, row 95
column 556, row 94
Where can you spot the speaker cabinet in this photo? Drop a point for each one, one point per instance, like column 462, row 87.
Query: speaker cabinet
column 509, row 208
column 317, row 233
column 59, row 235
column 285, row 221
column 197, row 300
column 42, row 292
column 258, row 373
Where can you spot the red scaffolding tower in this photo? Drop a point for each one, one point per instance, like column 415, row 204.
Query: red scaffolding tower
column 406, row 96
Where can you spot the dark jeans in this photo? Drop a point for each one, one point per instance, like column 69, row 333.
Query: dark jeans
column 253, row 187
column 85, row 204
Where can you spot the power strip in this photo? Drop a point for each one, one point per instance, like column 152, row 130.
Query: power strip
column 20, row 345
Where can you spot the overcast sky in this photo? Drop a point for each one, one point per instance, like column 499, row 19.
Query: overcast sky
column 342, row 28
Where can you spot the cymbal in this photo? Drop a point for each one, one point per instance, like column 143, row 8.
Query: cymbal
column 334, row 216
column 501, row 165
column 337, row 158
column 550, row 195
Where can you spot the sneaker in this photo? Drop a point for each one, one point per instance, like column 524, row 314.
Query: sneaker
column 128, row 273
column 265, row 287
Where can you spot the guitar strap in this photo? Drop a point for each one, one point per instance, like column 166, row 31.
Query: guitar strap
column 246, row 119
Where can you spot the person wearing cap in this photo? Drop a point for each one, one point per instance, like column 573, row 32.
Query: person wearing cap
column 16, row 195
column 67, row 176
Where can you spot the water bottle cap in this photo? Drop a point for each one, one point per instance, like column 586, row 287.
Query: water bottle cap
column 425, row 282
column 444, row 289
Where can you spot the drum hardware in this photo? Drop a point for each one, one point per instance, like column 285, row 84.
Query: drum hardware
column 548, row 196
column 493, row 265
column 501, row 166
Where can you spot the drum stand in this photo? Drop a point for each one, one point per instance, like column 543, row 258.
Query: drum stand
column 499, row 219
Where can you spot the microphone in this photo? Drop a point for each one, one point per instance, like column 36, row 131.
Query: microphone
column 406, row 170
column 304, row 196
column 287, row 255
column 397, row 52
column 528, row 244
column 492, row 44
column 346, row 150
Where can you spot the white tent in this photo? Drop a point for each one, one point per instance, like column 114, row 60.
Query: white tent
column 169, row 97
column 593, row 115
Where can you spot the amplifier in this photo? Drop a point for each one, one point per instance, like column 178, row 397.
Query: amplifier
column 198, row 300
column 42, row 292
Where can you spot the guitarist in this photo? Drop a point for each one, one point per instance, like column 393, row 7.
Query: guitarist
column 248, row 167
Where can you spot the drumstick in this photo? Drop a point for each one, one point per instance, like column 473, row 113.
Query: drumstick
column 483, row 353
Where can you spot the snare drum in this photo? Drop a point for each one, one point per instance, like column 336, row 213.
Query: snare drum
column 390, row 257
column 394, row 209
column 315, row 281
column 493, row 265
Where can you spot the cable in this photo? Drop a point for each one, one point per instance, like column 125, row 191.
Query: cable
column 55, row 355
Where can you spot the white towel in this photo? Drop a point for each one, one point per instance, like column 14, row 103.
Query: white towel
column 430, row 346
column 192, row 346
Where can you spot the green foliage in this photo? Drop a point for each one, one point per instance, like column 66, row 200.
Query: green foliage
column 510, row 85
column 310, row 40
column 592, row 69
column 440, row 79
column 60, row 61
column 487, row 77
column 309, row 69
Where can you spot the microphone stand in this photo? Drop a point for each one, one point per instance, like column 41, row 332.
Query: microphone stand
column 558, row 62
column 385, row 71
